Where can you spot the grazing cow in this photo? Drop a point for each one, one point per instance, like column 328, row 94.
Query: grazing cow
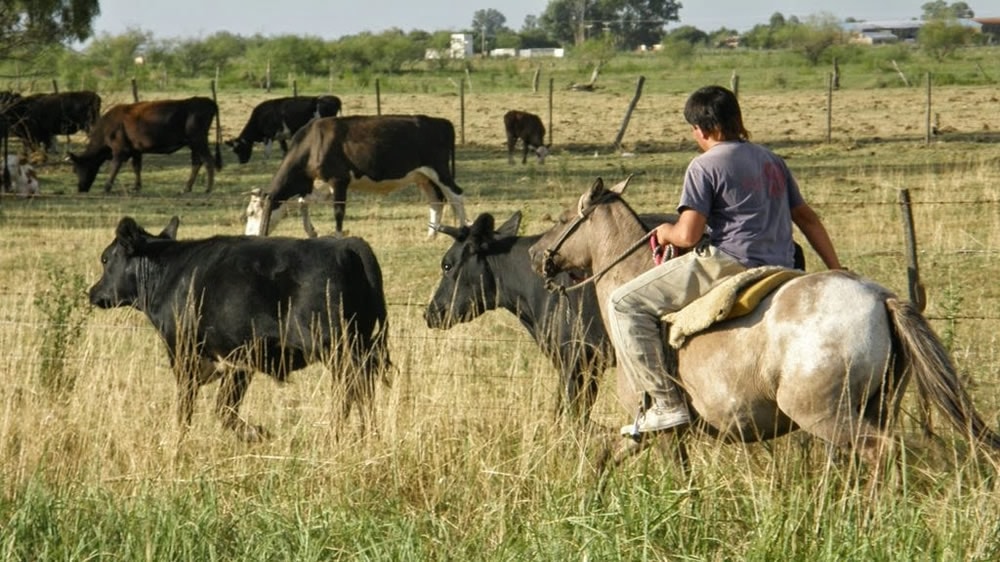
column 279, row 119
column 378, row 153
column 152, row 127
column 527, row 128
column 22, row 174
column 229, row 306
column 486, row 269
column 38, row 118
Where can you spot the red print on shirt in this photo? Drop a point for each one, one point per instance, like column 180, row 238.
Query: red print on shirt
column 775, row 180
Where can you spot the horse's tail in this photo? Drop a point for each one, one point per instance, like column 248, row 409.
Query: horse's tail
column 928, row 361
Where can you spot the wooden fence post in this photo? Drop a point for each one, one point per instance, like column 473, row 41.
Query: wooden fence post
column 378, row 98
column 734, row 84
column 829, row 109
column 551, row 87
column 927, row 133
column 55, row 86
column 628, row 113
column 534, row 79
column 135, row 91
column 461, row 112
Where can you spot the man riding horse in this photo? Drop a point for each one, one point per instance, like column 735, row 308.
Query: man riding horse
column 748, row 199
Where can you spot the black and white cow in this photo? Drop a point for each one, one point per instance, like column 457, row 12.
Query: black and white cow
column 527, row 128
column 278, row 119
column 229, row 306
column 377, row 153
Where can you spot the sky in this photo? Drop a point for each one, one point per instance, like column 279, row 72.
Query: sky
column 331, row 19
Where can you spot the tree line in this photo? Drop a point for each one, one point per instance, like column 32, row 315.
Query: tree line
column 35, row 34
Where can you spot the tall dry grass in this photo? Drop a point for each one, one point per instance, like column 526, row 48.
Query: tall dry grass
column 466, row 460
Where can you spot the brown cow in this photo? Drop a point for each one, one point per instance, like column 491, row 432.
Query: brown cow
column 528, row 128
column 127, row 131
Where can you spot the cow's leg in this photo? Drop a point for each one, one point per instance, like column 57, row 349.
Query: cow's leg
column 307, row 224
column 197, row 158
column 339, row 205
column 116, row 165
column 435, row 200
column 232, row 388
column 284, row 146
column 524, row 154
column 137, row 170
column 190, row 372
column 511, row 143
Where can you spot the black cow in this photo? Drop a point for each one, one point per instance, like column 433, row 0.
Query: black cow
column 229, row 306
column 378, row 153
column 279, row 119
column 527, row 128
column 151, row 127
column 38, row 118
column 487, row 269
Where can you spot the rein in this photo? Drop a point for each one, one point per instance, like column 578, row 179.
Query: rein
column 549, row 265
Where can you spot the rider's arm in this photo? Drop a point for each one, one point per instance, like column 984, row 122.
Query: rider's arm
column 685, row 233
column 808, row 222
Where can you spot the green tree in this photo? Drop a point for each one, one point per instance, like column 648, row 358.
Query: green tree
column 940, row 9
column 813, row 38
column 941, row 37
column 486, row 25
column 630, row 22
column 687, row 34
column 26, row 25
column 116, row 54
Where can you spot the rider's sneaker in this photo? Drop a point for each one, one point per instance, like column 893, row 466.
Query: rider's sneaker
column 658, row 418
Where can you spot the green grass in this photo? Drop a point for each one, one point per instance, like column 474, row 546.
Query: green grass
column 467, row 462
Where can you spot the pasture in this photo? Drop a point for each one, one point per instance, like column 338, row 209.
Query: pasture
column 466, row 461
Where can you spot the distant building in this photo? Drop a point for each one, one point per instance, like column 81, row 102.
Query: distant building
column 880, row 32
column 459, row 48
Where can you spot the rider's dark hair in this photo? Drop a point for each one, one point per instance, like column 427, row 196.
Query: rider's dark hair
column 714, row 108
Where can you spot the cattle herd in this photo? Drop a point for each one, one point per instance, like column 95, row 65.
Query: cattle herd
column 228, row 307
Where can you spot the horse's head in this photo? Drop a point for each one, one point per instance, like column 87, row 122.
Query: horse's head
column 570, row 243
column 468, row 286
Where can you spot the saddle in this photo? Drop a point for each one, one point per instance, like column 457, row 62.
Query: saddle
column 734, row 297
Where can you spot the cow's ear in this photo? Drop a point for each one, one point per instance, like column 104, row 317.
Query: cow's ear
column 511, row 225
column 170, row 231
column 482, row 227
column 129, row 234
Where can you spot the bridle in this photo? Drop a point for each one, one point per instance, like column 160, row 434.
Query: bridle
column 549, row 268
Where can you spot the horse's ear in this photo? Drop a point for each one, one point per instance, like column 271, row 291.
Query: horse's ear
column 594, row 194
column 511, row 225
column 619, row 187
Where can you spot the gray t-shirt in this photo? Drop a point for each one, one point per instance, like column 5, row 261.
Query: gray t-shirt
column 747, row 193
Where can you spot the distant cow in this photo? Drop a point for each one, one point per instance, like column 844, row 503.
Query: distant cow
column 279, row 119
column 486, row 269
column 378, row 153
column 152, row 127
column 23, row 178
column 527, row 128
column 38, row 118
column 229, row 306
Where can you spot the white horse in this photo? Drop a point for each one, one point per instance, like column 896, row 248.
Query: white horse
column 829, row 353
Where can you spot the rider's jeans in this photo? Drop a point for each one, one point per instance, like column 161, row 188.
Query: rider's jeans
column 637, row 306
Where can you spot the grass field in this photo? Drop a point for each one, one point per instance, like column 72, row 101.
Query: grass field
column 468, row 462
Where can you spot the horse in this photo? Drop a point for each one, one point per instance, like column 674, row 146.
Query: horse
column 801, row 360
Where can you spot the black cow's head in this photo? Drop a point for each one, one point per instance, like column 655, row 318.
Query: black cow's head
column 125, row 270
column 242, row 147
column 468, row 287
column 85, row 167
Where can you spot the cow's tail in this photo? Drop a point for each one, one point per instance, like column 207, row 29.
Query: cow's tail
column 926, row 358
column 218, row 134
column 378, row 360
